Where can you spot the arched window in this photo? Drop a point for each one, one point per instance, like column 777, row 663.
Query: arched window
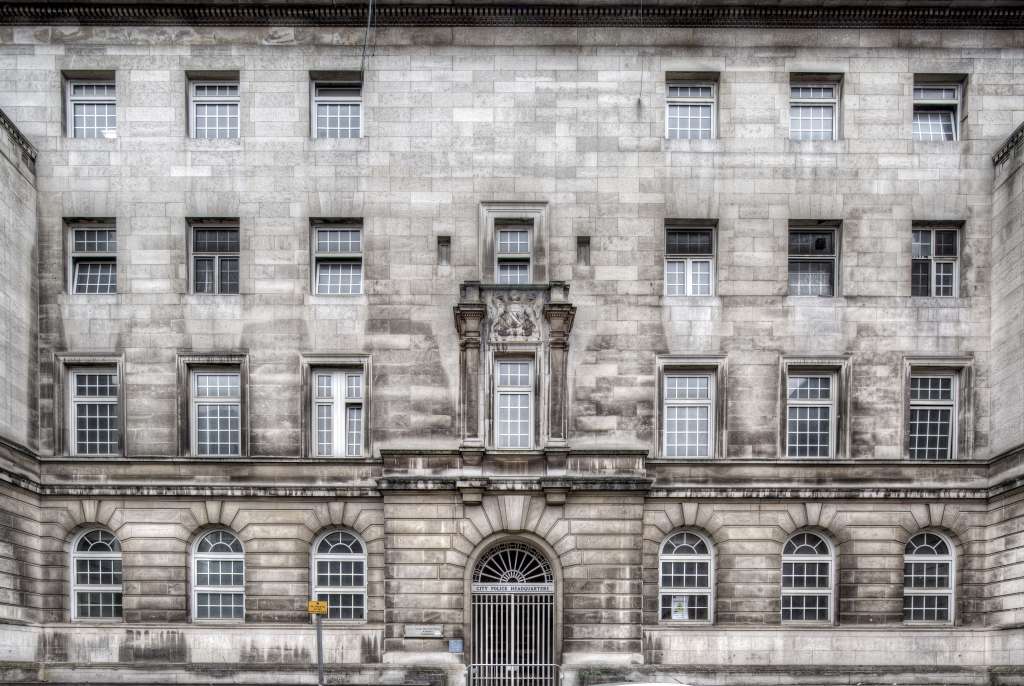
column 687, row 578
column 96, row 576
column 339, row 575
column 218, row 581
column 928, row 579
column 808, row 571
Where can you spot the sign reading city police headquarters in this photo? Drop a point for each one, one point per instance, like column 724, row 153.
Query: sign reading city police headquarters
column 513, row 588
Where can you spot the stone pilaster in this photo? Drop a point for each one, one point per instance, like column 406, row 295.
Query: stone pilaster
column 469, row 316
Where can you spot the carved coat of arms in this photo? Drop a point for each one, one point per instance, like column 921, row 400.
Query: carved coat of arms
column 513, row 315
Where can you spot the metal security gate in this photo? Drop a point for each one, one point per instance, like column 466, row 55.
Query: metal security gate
column 513, row 619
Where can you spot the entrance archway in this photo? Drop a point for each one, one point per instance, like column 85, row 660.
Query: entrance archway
column 513, row 618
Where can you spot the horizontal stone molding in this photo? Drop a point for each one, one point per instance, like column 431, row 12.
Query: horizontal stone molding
column 864, row 15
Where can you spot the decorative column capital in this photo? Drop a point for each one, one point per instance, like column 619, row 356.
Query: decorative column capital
column 469, row 319
column 560, row 317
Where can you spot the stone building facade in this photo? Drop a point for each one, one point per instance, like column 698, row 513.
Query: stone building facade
column 476, row 122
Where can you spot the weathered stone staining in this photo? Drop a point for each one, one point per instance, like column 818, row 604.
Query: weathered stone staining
column 548, row 123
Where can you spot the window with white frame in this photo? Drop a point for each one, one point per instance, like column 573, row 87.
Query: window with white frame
column 934, row 265
column 215, row 254
column 213, row 108
column 689, row 261
column 933, row 420
column 807, row 579
column 512, row 253
column 93, row 259
column 810, row 414
column 936, row 112
column 216, row 412
column 686, row 578
column 812, row 262
column 338, row 260
column 339, row 575
column 96, row 576
column 689, row 412
column 813, row 111
column 338, row 412
column 337, row 110
column 928, row 579
column 690, row 110
column 218, row 577
column 513, row 403
column 94, row 422
column 92, row 109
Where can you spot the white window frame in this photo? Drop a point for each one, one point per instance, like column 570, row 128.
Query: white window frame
column 708, row 591
column 194, row 575
column 934, row 260
column 194, row 100
column 830, row 592
column 321, row 258
column 217, row 256
column 77, row 588
column 508, row 390
column 953, row 405
column 80, row 257
column 710, row 403
column 949, row 592
column 833, row 258
column 72, row 100
column 195, row 401
column 501, row 258
column 316, row 100
column 832, row 403
column 804, row 101
column 74, row 400
column 688, row 260
column 342, row 399
column 316, row 589
column 930, row 105
column 711, row 100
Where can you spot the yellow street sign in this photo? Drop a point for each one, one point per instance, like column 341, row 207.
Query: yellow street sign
column 316, row 607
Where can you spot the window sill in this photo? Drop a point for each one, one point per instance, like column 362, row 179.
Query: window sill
column 339, row 299
column 213, row 143
column 838, row 145
column 98, row 620
column 693, row 144
column 361, row 143
column 692, row 300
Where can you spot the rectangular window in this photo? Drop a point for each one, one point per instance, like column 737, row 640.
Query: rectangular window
column 215, row 251
column 514, row 403
column 216, row 412
column 689, row 261
column 92, row 109
column 936, row 112
column 933, row 420
column 338, row 412
column 444, row 251
column 582, row 251
column 813, row 111
column 93, row 259
column 690, row 110
column 934, row 267
column 214, row 107
column 810, row 414
column 338, row 260
column 512, row 251
column 337, row 110
column 94, row 423
column 689, row 415
column 812, row 262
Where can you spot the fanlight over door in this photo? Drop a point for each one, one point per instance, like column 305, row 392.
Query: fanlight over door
column 513, row 619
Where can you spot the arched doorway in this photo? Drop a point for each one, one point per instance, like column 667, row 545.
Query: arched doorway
column 513, row 617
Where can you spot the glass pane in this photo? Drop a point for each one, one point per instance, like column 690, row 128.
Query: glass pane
column 944, row 279
column 339, row 240
column 354, row 430
column 700, row 277
column 324, row 430
column 216, row 120
column 812, row 92
column 926, row 575
column 94, row 120
column 216, row 240
column 687, row 431
column 344, row 605
column 220, row 605
column 934, row 125
column 513, row 420
column 96, row 428
column 229, row 275
column 95, row 277
column 221, row 90
column 809, row 387
column 339, row 278
column 218, row 429
column 811, row 277
column 685, row 574
column 812, row 243
column 684, row 608
column 210, row 385
column 687, row 387
column 945, row 243
column 931, row 388
column 691, row 122
column 338, row 120
column 675, row 277
column 513, row 272
column 926, row 608
column 514, row 374
column 930, row 433
column 805, row 608
column 806, row 575
column 205, row 273
column 921, row 244
column 685, row 91
column 935, row 92
column 811, row 122
column 98, row 605
column 688, row 242
column 808, row 431
column 513, row 242
column 921, row 278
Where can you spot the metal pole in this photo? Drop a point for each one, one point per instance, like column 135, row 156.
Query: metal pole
column 319, row 653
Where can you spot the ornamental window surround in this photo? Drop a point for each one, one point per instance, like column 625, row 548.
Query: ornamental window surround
column 337, row 257
column 814, row 108
column 338, row 416
column 513, row 242
column 91, row 107
column 514, row 411
column 933, row 416
column 339, row 575
column 808, row 579
column 213, row 404
column 218, row 578
column 92, row 246
column 811, row 401
column 94, row 414
column 96, row 577
column 929, row 579
column 686, row 579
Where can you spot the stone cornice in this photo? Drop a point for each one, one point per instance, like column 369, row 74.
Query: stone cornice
column 16, row 135
column 852, row 16
column 1012, row 141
